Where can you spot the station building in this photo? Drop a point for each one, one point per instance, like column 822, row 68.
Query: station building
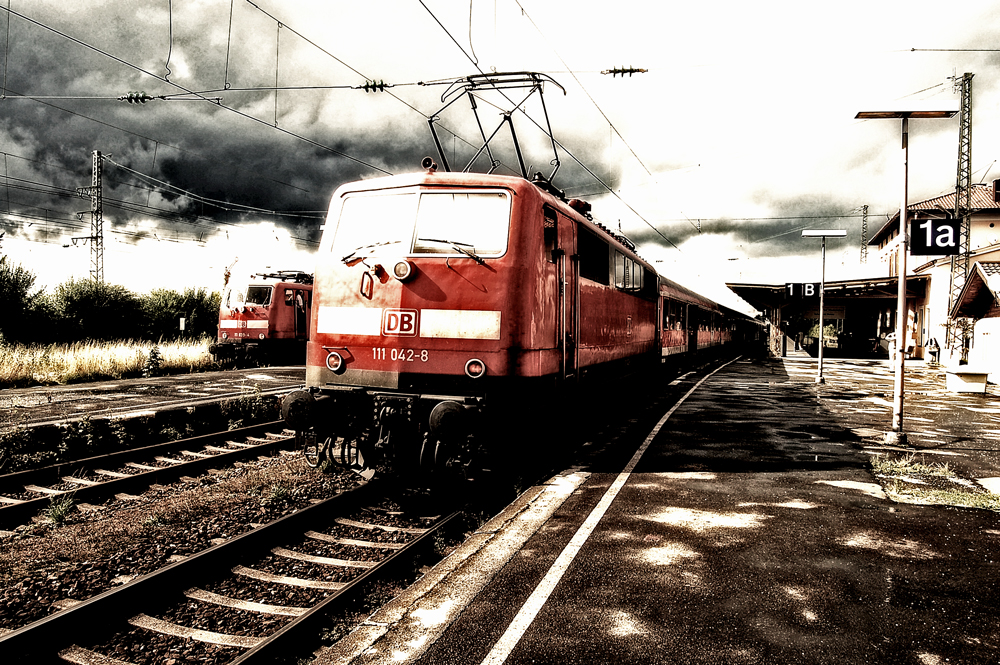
column 860, row 314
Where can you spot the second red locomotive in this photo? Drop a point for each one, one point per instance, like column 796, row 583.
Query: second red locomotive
column 264, row 318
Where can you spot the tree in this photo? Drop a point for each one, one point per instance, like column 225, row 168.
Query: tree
column 16, row 297
column 87, row 309
column 163, row 309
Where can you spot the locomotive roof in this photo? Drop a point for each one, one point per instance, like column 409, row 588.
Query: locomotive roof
column 294, row 276
column 433, row 178
column 671, row 289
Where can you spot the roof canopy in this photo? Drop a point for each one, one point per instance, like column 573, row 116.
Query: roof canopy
column 980, row 292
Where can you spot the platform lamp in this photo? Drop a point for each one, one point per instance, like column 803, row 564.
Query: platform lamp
column 824, row 234
column 904, row 111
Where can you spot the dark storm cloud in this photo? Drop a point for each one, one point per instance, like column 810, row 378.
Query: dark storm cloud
column 228, row 156
column 776, row 235
column 233, row 157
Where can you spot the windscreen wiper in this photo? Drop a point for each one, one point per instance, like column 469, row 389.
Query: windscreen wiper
column 353, row 257
column 459, row 247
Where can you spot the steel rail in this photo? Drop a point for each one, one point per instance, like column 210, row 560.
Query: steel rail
column 172, row 404
column 41, row 640
column 13, row 514
column 304, row 629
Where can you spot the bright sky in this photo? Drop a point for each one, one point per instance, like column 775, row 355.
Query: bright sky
column 740, row 134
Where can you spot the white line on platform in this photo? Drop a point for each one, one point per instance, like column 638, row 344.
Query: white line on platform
column 501, row 650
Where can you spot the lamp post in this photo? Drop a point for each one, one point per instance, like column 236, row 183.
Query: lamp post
column 905, row 111
column 824, row 234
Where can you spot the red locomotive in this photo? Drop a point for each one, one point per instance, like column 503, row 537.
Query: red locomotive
column 444, row 299
column 264, row 319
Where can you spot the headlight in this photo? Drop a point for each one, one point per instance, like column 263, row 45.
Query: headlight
column 335, row 362
column 475, row 368
column 402, row 270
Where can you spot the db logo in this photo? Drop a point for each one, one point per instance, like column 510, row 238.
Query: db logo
column 399, row 322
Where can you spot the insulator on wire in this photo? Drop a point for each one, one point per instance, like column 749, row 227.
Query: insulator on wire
column 373, row 86
column 623, row 71
column 135, row 98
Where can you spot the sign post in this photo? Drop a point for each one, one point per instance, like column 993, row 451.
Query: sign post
column 914, row 109
column 824, row 234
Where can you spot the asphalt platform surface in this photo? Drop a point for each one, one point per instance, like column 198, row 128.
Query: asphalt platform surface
column 733, row 521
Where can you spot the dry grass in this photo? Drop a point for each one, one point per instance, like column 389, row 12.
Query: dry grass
column 910, row 481
column 909, row 466
column 906, row 493
column 89, row 361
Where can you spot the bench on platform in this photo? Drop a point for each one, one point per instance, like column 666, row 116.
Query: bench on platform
column 966, row 379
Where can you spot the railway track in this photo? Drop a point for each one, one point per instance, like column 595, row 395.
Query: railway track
column 25, row 494
column 256, row 598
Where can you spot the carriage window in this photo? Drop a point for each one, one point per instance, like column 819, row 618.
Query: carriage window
column 594, row 258
column 629, row 274
column 673, row 315
column 550, row 236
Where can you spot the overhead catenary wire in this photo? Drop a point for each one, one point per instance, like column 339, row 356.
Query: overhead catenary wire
column 191, row 92
column 549, row 136
column 6, row 53
column 191, row 95
column 585, row 91
column 229, row 42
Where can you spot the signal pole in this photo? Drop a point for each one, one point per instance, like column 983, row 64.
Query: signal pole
column 864, row 234
column 96, row 196
column 959, row 329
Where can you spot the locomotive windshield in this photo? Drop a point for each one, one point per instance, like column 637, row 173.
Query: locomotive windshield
column 248, row 295
column 443, row 223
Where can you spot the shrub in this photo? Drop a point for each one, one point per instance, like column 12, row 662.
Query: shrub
column 86, row 309
column 163, row 308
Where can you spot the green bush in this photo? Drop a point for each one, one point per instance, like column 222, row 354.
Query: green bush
column 164, row 308
column 86, row 309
